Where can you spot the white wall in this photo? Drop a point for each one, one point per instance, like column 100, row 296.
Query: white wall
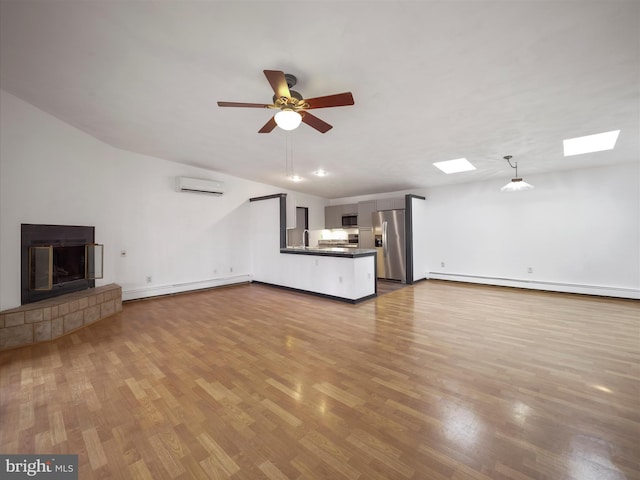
column 53, row 173
column 578, row 230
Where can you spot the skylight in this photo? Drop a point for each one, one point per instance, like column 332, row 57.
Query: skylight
column 455, row 166
column 590, row 143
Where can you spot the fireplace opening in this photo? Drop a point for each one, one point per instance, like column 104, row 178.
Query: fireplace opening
column 58, row 259
column 68, row 264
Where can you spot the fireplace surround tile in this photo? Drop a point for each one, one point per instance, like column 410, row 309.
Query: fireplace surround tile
column 51, row 318
column 91, row 314
column 57, row 327
column 73, row 306
column 33, row 316
column 13, row 319
column 42, row 332
column 73, row 321
column 108, row 308
column 16, row 336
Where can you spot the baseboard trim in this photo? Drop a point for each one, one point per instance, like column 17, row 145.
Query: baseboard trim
column 538, row 285
column 159, row 290
column 318, row 294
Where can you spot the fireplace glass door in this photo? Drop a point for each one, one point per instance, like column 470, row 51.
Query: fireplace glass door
column 94, row 261
column 41, row 268
column 56, row 265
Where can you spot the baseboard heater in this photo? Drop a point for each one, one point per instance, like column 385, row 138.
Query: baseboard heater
column 159, row 290
column 539, row 285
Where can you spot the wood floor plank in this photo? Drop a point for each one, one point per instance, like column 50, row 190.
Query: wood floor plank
column 438, row 381
column 95, row 452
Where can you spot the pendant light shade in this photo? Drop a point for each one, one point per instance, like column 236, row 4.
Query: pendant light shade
column 287, row 119
column 516, row 184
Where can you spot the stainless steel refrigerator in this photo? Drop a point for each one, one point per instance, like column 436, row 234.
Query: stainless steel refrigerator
column 388, row 231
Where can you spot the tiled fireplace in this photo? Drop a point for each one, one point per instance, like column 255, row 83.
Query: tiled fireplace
column 59, row 266
column 52, row 318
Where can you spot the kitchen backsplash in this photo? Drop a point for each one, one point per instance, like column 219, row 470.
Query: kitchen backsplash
column 337, row 233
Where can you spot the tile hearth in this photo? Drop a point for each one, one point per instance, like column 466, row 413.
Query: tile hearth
column 49, row 319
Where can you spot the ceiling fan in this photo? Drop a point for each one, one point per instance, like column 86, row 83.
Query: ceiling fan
column 292, row 107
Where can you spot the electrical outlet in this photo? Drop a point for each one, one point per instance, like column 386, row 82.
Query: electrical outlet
column 230, row 269
column 340, row 279
column 442, row 264
column 530, row 270
column 149, row 279
column 215, row 270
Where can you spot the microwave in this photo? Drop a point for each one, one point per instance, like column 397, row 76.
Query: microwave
column 349, row 221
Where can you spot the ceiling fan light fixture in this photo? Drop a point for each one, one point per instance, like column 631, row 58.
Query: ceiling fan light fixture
column 295, row 178
column 321, row 173
column 288, row 119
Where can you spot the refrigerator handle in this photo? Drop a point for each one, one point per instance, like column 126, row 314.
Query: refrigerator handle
column 384, row 238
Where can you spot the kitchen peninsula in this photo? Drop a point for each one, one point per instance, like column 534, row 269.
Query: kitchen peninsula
column 346, row 274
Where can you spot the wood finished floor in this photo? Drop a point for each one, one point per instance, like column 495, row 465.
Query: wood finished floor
column 434, row 381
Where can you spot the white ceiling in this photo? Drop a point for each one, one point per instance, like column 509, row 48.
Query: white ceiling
column 432, row 81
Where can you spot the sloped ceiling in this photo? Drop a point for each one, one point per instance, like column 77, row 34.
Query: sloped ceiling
column 432, row 81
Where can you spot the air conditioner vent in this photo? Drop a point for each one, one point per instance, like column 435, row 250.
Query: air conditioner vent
column 199, row 185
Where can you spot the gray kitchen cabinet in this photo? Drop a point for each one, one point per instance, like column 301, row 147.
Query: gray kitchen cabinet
column 384, row 204
column 333, row 216
column 365, row 212
column 390, row 203
column 350, row 209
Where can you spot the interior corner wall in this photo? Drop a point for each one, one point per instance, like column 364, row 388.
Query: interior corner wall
column 53, row 173
column 577, row 231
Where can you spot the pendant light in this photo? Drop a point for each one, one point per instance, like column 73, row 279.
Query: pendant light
column 516, row 184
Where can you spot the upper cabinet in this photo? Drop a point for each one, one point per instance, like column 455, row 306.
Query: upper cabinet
column 364, row 210
column 390, row 203
column 399, row 203
column 350, row 209
column 333, row 216
column 365, row 213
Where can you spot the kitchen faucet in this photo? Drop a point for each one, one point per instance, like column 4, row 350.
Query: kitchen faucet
column 303, row 242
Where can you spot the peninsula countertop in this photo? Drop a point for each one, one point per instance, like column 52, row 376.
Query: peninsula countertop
column 330, row 251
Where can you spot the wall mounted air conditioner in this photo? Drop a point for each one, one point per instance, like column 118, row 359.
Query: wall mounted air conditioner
column 199, row 185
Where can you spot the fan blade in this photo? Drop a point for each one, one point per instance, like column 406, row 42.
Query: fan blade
column 337, row 100
column 278, row 83
column 249, row 105
column 269, row 126
column 315, row 122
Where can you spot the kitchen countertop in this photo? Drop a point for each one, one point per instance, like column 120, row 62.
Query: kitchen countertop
column 330, row 251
